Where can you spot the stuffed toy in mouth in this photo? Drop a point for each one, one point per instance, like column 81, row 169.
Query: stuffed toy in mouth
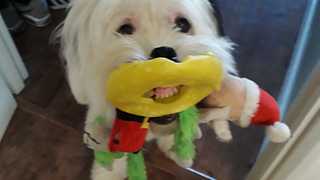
column 156, row 91
column 161, row 86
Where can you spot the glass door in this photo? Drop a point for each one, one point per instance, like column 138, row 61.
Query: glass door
column 300, row 106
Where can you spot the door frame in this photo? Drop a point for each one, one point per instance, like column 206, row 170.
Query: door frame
column 302, row 114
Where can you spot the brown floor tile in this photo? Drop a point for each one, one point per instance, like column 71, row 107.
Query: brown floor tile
column 44, row 89
column 155, row 157
column 155, row 173
column 231, row 161
column 35, row 149
column 65, row 109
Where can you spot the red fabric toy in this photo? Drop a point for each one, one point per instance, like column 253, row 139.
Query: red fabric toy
column 128, row 133
column 243, row 102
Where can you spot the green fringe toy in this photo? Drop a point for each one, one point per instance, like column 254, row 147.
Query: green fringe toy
column 183, row 147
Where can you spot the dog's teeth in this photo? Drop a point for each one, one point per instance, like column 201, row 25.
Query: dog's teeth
column 175, row 90
column 162, row 93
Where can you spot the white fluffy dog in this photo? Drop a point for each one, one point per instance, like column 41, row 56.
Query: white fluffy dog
column 99, row 35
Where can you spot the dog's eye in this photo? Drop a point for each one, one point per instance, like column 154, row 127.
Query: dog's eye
column 183, row 25
column 126, row 29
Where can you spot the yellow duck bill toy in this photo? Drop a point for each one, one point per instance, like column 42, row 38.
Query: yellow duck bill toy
column 130, row 85
column 131, row 89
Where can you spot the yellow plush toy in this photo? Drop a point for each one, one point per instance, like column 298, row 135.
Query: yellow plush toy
column 196, row 77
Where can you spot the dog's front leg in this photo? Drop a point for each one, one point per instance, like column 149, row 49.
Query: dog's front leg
column 222, row 130
column 118, row 171
column 217, row 119
column 165, row 144
column 97, row 128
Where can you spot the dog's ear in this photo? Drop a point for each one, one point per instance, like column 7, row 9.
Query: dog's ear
column 75, row 77
column 218, row 16
column 74, row 69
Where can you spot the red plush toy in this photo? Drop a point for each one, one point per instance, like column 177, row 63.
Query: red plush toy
column 128, row 133
column 241, row 101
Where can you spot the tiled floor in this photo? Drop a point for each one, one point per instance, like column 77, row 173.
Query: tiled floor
column 43, row 141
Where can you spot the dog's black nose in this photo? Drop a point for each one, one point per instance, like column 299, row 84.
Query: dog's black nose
column 165, row 52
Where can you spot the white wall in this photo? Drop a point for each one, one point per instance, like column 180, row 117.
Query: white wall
column 7, row 107
column 12, row 69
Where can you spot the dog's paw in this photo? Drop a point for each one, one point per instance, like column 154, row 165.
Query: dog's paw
column 222, row 130
column 224, row 136
column 198, row 133
column 180, row 162
column 90, row 141
column 165, row 144
column 95, row 138
column 208, row 115
column 118, row 171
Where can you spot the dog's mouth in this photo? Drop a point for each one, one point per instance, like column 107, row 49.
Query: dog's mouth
column 164, row 94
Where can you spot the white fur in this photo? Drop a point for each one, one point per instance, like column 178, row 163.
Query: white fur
column 251, row 102
column 165, row 144
column 116, row 172
column 217, row 119
column 278, row 133
column 92, row 48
